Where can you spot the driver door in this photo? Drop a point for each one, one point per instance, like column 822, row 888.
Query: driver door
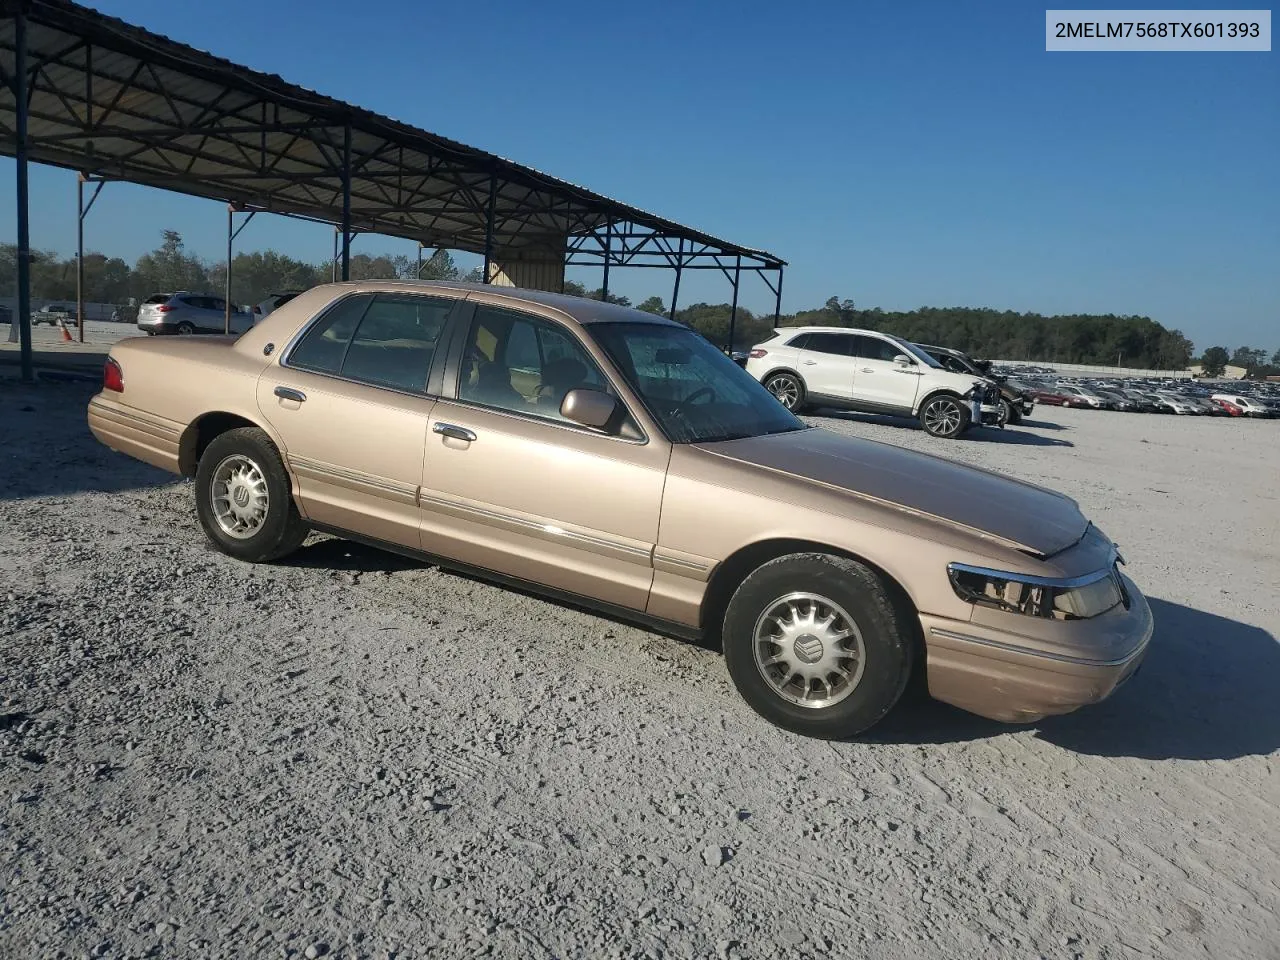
column 513, row 487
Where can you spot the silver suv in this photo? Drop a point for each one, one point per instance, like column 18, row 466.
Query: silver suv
column 188, row 313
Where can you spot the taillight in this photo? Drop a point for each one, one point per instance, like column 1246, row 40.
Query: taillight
column 112, row 376
column 757, row 353
column 163, row 308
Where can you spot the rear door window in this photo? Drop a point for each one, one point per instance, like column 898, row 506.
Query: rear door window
column 396, row 340
column 836, row 344
column 324, row 346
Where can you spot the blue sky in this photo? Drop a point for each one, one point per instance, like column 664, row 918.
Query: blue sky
column 897, row 153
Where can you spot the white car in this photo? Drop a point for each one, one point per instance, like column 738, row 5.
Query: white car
column 871, row 372
column 1251, row 408
column 273, row 302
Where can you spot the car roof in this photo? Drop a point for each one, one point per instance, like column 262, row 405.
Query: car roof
column 579, row 309
column 850, row 330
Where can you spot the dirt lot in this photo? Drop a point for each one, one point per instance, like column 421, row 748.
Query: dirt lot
column 353, row 755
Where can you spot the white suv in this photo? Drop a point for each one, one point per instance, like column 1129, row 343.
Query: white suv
column 872, row 372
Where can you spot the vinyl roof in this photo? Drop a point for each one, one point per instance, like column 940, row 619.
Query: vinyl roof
column 118, row 102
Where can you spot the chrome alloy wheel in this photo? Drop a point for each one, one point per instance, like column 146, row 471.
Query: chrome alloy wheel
column 239, row 497
column 785, row 389
column 942, row 415
column 809, row 650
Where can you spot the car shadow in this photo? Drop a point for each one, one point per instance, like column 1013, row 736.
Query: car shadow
column 1010, row 435
column 50, row 451
column 332, row 552
column 1206, row 691
column 349, row 556
column 1040, row 425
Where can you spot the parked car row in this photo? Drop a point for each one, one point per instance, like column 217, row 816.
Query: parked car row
column 1158, row 397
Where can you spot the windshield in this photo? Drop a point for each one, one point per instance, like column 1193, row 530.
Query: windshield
column 695, row 392
column 913, row 351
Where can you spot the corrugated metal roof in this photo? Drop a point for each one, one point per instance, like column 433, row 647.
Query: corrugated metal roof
column 112, row 99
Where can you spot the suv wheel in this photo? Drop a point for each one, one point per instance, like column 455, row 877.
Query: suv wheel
column 186, row 329
column 1015, row 412
column 944, row 416
column 816, row 644
column 244, row 499
column 788, row 389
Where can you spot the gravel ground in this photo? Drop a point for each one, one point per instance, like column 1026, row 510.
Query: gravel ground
column 354, row 755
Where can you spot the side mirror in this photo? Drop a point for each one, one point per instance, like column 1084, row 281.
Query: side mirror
column 590, row 408
column 903, row 360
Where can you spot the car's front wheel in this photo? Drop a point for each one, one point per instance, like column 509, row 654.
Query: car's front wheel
column 818, row 644
column 944, row 416
column 244, row 499
column 788, row 389
column 1015, row 412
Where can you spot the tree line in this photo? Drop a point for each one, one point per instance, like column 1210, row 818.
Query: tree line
column 1104, row 340
column 1109, row 340
column 170, row 267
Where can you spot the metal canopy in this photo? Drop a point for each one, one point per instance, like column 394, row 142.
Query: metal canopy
column 114, row 101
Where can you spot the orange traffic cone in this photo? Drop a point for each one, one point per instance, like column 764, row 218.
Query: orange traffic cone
column 66, row 334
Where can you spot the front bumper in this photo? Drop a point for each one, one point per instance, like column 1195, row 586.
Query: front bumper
column 1014, row 678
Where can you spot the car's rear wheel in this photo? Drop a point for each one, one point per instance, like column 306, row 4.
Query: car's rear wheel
column 186, row 329
column 244, row 498
column 944, row 416
column 788, row 389
column 1015, row 412
column 818, row 644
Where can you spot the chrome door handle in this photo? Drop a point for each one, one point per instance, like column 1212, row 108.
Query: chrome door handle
column 809, row 363
column 456, row 432
column 867, row 370
column 288, row 393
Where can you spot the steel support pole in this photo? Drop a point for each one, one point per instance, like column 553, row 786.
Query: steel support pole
column 418, row 275
column 488, row 226
column 80, row 257
column 733, row 311
column 777, row 309
column 675, row 293
column 23, row 317
column 346, row 202
column 608, row 244
column 226, row 323
column 333, row 264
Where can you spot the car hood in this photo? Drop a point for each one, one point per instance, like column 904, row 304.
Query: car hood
column 1027, row 517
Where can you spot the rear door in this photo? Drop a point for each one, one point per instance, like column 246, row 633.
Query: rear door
column 881, row 382
column 827, row 364
column 350, row 401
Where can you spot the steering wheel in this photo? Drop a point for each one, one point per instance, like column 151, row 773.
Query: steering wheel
column 678, row 409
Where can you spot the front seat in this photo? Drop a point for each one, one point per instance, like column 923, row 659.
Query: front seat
column 558, row 378
column 493, row 386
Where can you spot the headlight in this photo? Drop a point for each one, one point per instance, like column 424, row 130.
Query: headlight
column 1076, row 599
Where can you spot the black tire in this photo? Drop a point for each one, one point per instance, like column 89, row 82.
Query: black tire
column 1015, row 412
column 886, row 624
column 185, row 329
column 787, row 388
column 282, row 529
column 944, row 415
